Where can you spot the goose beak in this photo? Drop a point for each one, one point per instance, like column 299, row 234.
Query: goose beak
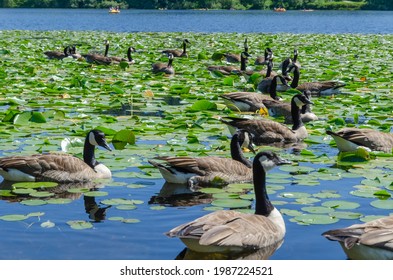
column 106, row 146
column 282, row 161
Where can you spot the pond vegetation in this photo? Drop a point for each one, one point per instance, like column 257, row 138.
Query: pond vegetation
column 50, row 105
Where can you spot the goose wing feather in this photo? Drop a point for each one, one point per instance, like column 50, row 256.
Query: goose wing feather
column 230, row 228
column 52, row 167
column 375, row 140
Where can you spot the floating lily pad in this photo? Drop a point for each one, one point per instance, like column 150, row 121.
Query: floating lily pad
column 231, row 203
column 126, row 207
column 382, row 204
column 13, row 218
column 130, row 221
column 157, row 207
column 47, row 224
column 341, row 204
column 34, row 185
column 317, row 209
column 96, row 193
column 33, row 202
column 213, row 208
column 294, row 195
column 79, row 225
column 346, row 215
column 290, row 212
column 41, row 194
column 59, row 201
column 315, row 219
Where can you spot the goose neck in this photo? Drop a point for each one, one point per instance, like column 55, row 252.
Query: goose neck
column 88, row 154
column 236, row 151
column 106, row 49
column 263, row 206
column 296, row 76
column 273, row 89
column 296, row 118
column 242, row 63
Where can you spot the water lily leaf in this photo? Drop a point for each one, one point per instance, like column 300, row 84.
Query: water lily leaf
column 80, row 225
column 23, row 191
column 130, row 221
column 22, row 118
column 47, row 224
column 37, row 117
column 290, row 212
column 34, row 185
column 203, row 105
column 96, row 193
column 231, row 203
column 157, row 207
column 59, row 201
column 13, row 218
column 213, row 208
column 317, row 209
column 126, row 207
column 341, row 204
column 346, row 215
column 33, row 202
column 382, row 204
column 122, row 138
column 294, row 194
column 41, row 194
column 316, row 219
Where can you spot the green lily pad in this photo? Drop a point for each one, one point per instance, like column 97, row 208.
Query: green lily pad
column 316, row 219
column 96, row 193
column 47, row 224
column 79, row 225
column 130, row 221
column 317, row 209
column 341, row 204
column 33, row 202
column 382, row 204
column 231, row 203
column 34, row 185
column 346, row 215
column 126, row 207
column 13, row 218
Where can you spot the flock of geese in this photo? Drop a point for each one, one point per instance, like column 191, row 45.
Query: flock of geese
column 228, row 230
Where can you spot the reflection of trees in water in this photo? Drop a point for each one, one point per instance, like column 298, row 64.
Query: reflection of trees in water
column 259, row 254
column 179, row 195
column 96, row 212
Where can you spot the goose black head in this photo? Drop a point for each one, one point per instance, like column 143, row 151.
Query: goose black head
column 245, row 139
column 301, row 99
column 268, row 160
column 97, row 138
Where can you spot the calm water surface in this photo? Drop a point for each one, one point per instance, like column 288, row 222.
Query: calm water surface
column 199, row 21
column 145, row 240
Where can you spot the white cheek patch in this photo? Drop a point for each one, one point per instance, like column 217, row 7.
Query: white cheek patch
column 298, row 102
column 266, row 163
column 92, row 139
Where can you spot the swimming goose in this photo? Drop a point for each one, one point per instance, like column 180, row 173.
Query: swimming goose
column 279, row 108
column 251, row 101
column 351, row 138
column 210, row 170
column 264, row 60
column 265, row 85
column 233, row 231
column 178, row 53
column 57, row 54
column 161, row 67
column 266, row 131
column 57, row 167
column 74, row 54
column 236, row 58
column 98, row 58
column 368, row 241
column 228, row 69
column 316, row 88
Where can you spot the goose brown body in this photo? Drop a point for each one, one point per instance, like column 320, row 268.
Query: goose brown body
column 178, row 53
column 368, row 241
column 348, row 139
column 232, row 231
column 58, row 167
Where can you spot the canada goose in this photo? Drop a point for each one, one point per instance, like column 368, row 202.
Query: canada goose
column 351, row 138
column 57, row 54
column 228, row 70
column 264, row 85
column 233, row 231
column 252, row 101
column 167, row 68
column 316, row 88
column 210, row 170
column 178, row 53
column 74, row 54
column 130, row 50
column 290, row 62
column 236, row 58
column 264, row 60
column 57, row 167
column 278, row 108
column 368, row 241
column 98, row 58
column 266, row 131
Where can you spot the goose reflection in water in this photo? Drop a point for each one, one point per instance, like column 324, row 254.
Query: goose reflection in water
column 179, row 195
column 259, row 254
column 96, row 212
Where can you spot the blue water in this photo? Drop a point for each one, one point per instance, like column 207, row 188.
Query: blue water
column 199, row 21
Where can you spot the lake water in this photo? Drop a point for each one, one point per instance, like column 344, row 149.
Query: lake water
column 145, row 240
column 199, row 21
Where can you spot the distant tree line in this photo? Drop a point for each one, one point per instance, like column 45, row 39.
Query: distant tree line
column 204, row 4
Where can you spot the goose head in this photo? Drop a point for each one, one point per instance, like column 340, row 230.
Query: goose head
column 245, row 140
column 268, row 160
column 301, row 100
column 97, row 138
